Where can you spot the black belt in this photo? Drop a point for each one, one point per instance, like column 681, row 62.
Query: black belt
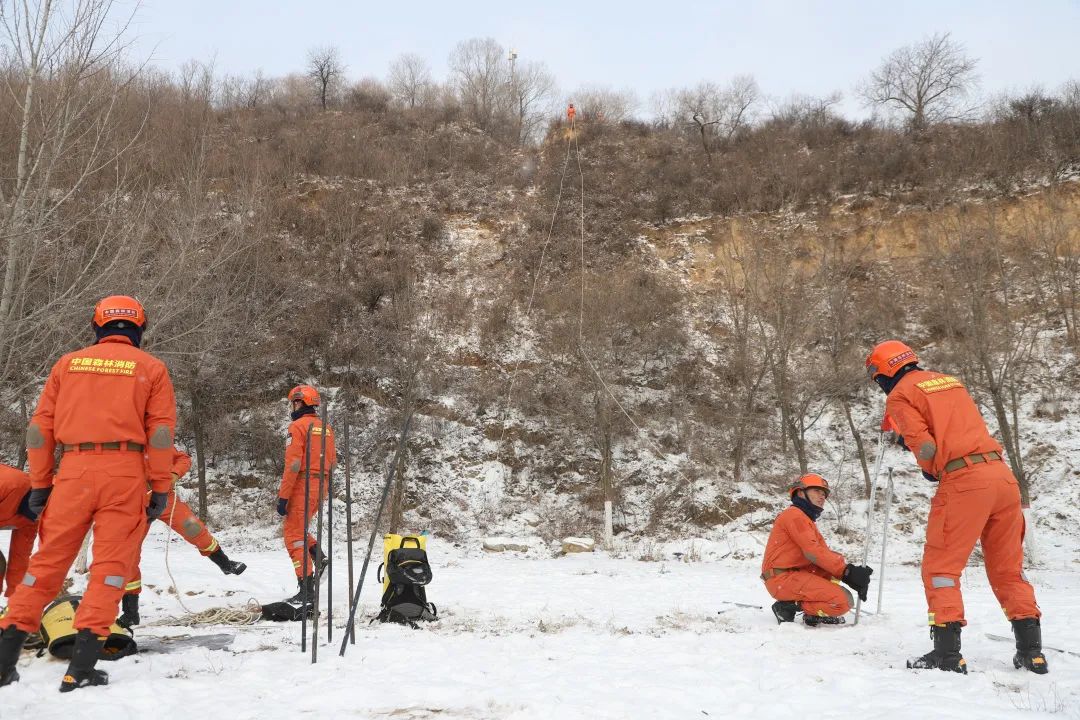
column 93, row 447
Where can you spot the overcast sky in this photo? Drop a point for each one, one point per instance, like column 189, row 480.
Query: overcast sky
column 789, row 47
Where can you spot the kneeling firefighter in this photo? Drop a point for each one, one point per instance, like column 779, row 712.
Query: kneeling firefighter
column 800, row 570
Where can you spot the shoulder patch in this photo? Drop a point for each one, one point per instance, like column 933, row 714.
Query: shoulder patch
column 939, row 384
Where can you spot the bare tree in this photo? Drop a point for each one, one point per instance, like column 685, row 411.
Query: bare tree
column 928, row 81
column 67, row 131
column 532, row 89
column 326, row 70
column 603, row 104
column 480, row 72
column 409, row 79
column 711, row 111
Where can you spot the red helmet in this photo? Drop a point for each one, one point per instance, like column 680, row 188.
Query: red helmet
column 306, row 394
column 888, row 357
column 119, row 308
column 810, row 480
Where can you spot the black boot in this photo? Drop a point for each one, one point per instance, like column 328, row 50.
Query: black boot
column 946, row 652
column 1028, row 633
column 129, row 618
column 785, row 610
column 306, row 589
column 815, row 620
column 80, row 671
column 319, row 560
column 229, row 567
column 11, row 643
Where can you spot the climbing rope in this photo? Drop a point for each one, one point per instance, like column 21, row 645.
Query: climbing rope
column 532, row 293
column 248, row 615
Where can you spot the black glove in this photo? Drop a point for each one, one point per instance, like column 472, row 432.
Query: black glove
column 900, row 441
column 35, row 502
column 282, row 506
column 157, row 505
column 928, row 476
column 857, row 577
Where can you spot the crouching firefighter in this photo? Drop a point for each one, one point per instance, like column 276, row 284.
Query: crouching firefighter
column 184, row 522
column 104, row 406
column 306, row 426
column 977, row 499
column 800, row 570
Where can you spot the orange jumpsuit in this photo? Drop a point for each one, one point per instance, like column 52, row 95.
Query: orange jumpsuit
column 14, row 485
column 106, row 405
column 181, row 518
column 570, row 112
column 980, row 500
column 798, row 565
column 292, row 484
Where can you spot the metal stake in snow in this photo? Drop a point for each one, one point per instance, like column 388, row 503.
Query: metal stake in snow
column 870, row 513
column 348, row 518
column 350, row 629
column 317, row 571
column 304, row 599
column 329, row 542
column 884, row 540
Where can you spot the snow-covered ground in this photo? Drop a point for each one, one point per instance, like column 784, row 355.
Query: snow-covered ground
column 581, row 636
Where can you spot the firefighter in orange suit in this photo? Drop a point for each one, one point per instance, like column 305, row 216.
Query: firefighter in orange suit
column 570, row 113
column 977, row 499
column 184, row 522
column 15, row 513
column 306, row 425
column 800, row 570
column 104, row 406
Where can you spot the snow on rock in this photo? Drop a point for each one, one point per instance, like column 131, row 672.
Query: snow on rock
column 578, row 545
column 504, row 544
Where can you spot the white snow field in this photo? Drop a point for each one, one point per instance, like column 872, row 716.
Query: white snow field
column 580, row 636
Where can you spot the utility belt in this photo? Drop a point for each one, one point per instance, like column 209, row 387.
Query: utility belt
column 98, row 447
column 773, row 572
column 969, row 460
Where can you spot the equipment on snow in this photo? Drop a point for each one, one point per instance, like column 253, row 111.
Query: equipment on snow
column 60, row 636
column 404, row 598
column 1028, row 633
column 946, row 652
column 355, row 602
column 283, row 611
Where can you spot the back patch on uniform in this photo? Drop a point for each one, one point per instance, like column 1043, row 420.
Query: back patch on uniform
column 939, row 384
